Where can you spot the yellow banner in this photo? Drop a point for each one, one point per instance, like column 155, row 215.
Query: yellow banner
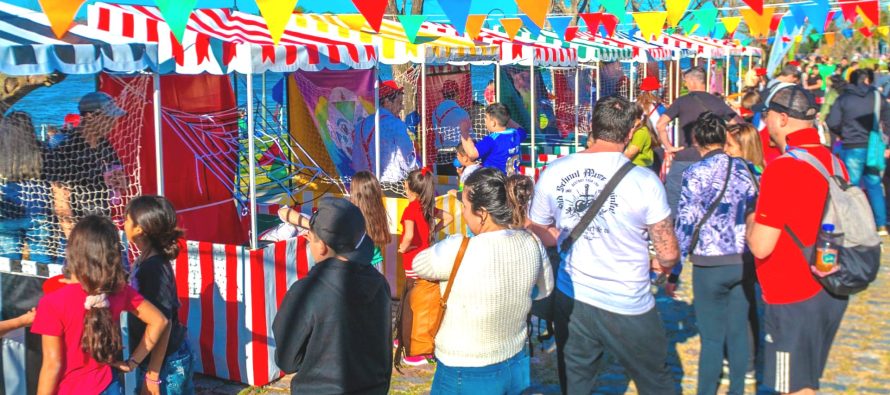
column 61, row 14
column 731, row 23
column 675, row 10
column 277, row 14
column 650, row 23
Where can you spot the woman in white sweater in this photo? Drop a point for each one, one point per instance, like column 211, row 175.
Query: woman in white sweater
column 481, row 343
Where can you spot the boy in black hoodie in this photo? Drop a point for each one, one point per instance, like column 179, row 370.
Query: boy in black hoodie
column 333, row 326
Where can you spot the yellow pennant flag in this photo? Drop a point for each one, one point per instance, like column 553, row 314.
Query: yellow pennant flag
column 536, row 10
column 277, row 14
column 731, row 23
column 758, row 25
column 884, row 30
column 675, row 10
column 511, row 26
column 474, row 25
column 61, row 14
column 650, row 23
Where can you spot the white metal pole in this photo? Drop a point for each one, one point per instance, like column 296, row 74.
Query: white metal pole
column 377, row 121
column 423, row 116
column 708, row 75
column 251, row 162
column 630, row 89
column 598, row 85
column 497, row 81
column 577, row 103
column 263, row 114
column 533, row 115
column 726, row 75
column 159, row 139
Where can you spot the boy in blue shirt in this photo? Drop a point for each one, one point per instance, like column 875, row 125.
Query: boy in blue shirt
column 499, row 147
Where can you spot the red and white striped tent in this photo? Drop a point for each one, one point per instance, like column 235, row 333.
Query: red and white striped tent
column 643, row 51
column 526, row 52
column 221, row 41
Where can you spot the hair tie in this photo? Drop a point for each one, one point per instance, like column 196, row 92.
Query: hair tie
column 426, row 170
column 99, row 301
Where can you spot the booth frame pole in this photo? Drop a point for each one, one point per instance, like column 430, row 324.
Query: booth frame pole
column 577, row 103
column 377, row 121
column 263, row 100
column 630, row 87
column 497, row 81
column 251, row 158
column 739, row 82
column 708, row 75
column 726, row 75
column 159, row 138
column 533, row 112
column 599, row 65
column 423, row 116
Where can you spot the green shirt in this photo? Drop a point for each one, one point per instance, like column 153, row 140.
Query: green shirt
column 643, row 140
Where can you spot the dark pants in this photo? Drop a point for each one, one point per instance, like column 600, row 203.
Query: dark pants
column 721, row 310
column 584, row 333
column 673, row 183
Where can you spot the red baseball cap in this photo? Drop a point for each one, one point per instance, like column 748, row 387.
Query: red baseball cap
column 760, row 71
column 650, row 83
column 389, row 88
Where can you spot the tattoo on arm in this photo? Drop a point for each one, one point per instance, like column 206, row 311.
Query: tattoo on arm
column 667, row 251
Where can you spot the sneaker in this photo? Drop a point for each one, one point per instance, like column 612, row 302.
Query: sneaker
column 882, row 231
column 415, row 361
column 750, row 377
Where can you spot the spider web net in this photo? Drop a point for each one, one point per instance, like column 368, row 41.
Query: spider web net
column 57, row 168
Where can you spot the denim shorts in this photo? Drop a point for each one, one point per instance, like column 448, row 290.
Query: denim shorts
column 176, row 372
column 508, row 377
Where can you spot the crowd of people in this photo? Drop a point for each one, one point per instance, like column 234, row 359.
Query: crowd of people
column 584, row 244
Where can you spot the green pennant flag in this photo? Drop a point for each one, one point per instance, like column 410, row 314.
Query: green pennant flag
column 719, row 31
column 745, row 41
column 687, row 25
column 670, row 30
column 176, row 13
column 411, row 24
column 706, row 16
column 617, row 8
column 815, row 37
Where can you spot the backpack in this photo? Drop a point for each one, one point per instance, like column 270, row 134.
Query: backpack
column 859, row 258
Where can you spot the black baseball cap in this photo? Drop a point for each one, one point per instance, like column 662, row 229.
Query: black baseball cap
column 791, row 99
column 341, row 225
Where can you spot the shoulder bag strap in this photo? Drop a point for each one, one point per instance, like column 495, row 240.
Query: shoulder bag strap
column 595, row 207
column 711, row 209
column 457, row 260
column 876, row 126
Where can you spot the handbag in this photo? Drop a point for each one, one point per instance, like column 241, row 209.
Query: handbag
column 421, row 313
column 711, row 209
column 874, row 157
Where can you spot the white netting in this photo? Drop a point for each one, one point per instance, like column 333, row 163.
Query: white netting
column 614, row 80
column 67, row 152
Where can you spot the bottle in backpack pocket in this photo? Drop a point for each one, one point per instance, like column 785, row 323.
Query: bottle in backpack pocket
column 827, row 246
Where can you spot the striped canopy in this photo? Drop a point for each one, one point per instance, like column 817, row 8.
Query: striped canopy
column 221, row 41
column 643, row 51
column 588, row 51
column 525, row 51
column 28, row 46
column 435, row 43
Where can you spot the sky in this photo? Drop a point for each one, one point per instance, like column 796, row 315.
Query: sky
column 431, row 7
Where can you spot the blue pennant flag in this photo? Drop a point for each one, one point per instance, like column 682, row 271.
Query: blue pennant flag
column 559, row 24
column 531, row 26
column 457, row 12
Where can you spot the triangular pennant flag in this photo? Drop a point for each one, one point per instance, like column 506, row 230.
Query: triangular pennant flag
column 670, row 30
column 511, row 26
column 535, row 10
column 354, row 21
column 650, row 23
column 706, row 16
column 788, row 24
column 756, row 5
column 884, row 31
column 745, row 41
column 571, row 32
column 474, row 25
column 774, row 22
column 411, row 24
column 559, row 24
column 592, row 20
column 829, row 39
column 870, row 10
column 372, row 10
column 758, row 24
column 848, row 33
column 730, row 23
column 688, row 25
column 849, row 11
column 676, row 9
column 276, row 13
column 832, row 15
column 719, row 32
column 177, row 12
column 609, row 22
column 618, row 8
column 817, row 14
column 796, row 11
column 457, row 12
column 815, row 37
column 532, row 27
column 60, row 14
column 865, row 31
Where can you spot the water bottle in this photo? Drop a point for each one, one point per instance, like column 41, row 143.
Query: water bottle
column 827, row 245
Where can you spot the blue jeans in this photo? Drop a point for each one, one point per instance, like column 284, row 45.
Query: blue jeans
column 176, row 372
column 854, row 160
column 509, row 377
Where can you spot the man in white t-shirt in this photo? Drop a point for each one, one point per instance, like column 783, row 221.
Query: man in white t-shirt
column 448, row 117
column 604, row 301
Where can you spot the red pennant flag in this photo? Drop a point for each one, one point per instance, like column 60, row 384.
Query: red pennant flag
column 202, row 47
column 268, row 53
column 849, row 11
column 865, row 31
column 571, row 32
column 229, row 52
column 756, row 5
column 871, row 11
column 774, row 23
column 178, row 51
column 372, row 10
column 610, row 22
column 592, row 20
column 830, row 19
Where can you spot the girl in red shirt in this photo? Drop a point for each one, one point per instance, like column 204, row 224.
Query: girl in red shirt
column 80, row 322
column 421, row 220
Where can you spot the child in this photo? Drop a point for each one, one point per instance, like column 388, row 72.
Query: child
column 520, row 189
column 16, row 323
column 421, row 220
column 151, row 225
column 80, row 322
column 465, row 166
column 367, row 195
column 639, row 149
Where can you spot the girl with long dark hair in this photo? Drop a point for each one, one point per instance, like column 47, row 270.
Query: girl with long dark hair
column 366, row 193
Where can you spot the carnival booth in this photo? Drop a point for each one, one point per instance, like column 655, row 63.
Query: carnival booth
column 49, row 75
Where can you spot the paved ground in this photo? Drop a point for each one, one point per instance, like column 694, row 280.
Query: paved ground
column 859, row 362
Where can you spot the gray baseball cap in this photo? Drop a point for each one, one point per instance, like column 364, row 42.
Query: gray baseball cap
column 99, row 101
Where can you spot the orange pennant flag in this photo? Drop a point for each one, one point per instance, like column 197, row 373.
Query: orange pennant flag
column 474, row 25
column 277, row 14
column 536, row 10
column 61, row 14
column 650, row 23
column 758, row 24
column 829, row 39
column 511, row 26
